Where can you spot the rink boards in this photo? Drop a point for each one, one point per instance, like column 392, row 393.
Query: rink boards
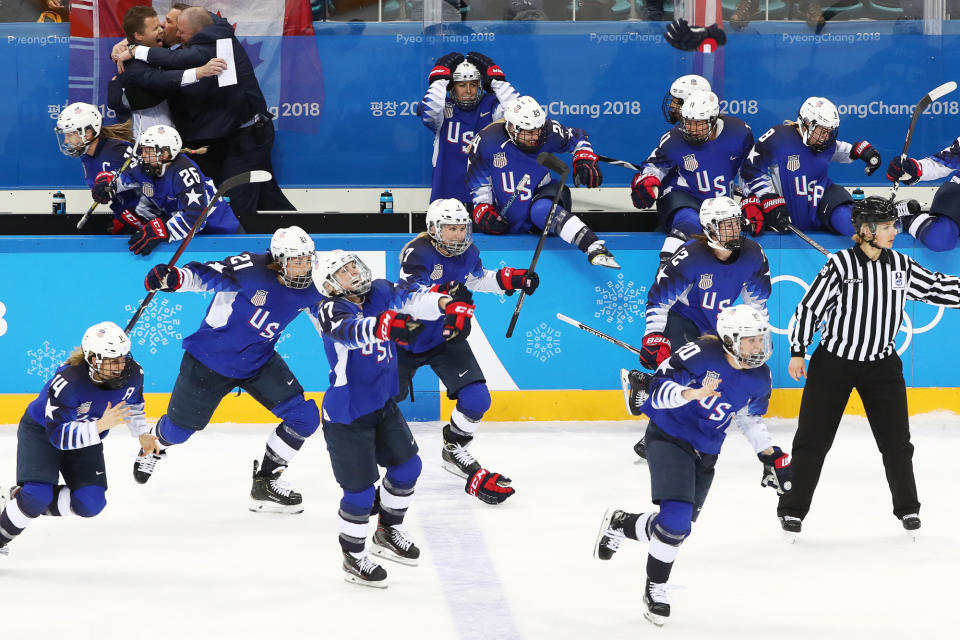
column 55, row 287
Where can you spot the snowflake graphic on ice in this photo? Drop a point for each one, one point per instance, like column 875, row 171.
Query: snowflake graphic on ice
column 157, row 326
column 543, row 342
column 502, row 296
column 45, row 360
column 620, row 302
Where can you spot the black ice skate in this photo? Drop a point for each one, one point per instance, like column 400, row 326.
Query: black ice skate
column 600, row 256
column 636, row 389
column 270, row 494
column 144, row 465
column 361, row 569
column 911, row 522
column 3, row 543
column 456, row 458
column 657, row 602
column 791, row 528
column 610, row 535
column 641, row 448
column 394, row 543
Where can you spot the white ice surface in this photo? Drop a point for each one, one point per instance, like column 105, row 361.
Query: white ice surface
column 182, row 557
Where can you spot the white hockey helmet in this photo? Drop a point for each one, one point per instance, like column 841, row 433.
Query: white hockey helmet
column 72, row 125
column 449, row 211
column 524, row 114
column 293, row 242
column 818, row 112
column 741, row 321
column 466, row 72
column 358, row 277
column 681, row 88
column 722, row 223
column 107, row 341
column 152, row 144
column 699, row 115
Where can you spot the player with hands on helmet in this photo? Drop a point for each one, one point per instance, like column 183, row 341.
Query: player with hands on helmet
column 99, row 387
column 445, row 259
column 464, row 95
column 786, row 178
column 512, row 193
column 362, row 321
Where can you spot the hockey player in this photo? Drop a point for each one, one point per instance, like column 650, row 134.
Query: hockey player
column 445, row 257
column 257, row 296
column 81, row 134
column 513, row 194
column 360, row 321
column 786, row 173
column 705, row 276
column 693, row 398
column 172, row 192
column 937, row 230
column 697, row 159
column 679, row 91
column 465, row 94
column 99, row 387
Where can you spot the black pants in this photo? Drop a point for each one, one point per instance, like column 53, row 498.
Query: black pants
column 830, row 380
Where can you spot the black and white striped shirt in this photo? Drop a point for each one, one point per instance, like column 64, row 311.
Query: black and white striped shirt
column 860, row 301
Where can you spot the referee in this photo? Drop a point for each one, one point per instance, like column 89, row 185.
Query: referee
column 859, row 295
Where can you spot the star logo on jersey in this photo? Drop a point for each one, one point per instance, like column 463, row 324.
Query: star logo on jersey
column 48, row 412
column 753, row 155
column 793, row 162
column 259, row 298
column 690, row 162
column 83, row 408
column 500, row 160
column 706, row 281
column 193, row 197
column 437, row 272
column 147, row 189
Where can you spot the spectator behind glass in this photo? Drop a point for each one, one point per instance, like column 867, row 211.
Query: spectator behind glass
column 53, row 11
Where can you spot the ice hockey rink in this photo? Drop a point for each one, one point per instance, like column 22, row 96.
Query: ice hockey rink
column 182, row 557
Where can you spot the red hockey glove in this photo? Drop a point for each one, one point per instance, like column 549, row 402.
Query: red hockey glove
column 146, row 239
column 655, row 349
column 486, row 219
column 754, row 213
column 163, row 278
column 586, row 173
column 402, row 328
column 456, row 320
column 644, row 191
column 777, row 472
column 490, row 487
column 511, row 279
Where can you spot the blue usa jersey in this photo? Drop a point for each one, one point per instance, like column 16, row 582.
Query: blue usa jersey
column 249, row 311
column 178, row 197
column 780, row 164
column 422, row 266
column 363, row 369
column 705, row 170
column 454, row 130
column 110, row 155
column 703, row 423
column 70, row 404
column 497, row 168
column 698, row 286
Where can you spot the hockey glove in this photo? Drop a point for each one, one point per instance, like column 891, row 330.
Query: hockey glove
column 126, row 222
column 486, row 219
column 456, row 320
column 909, row 168
column 754, row 214
column 456, row 290
column 511, row 279
column 145, row 240
column 681, row 35
column 443, row 69
column 655, row 349
column 644, row 190
column 489, row 70
column 586, row 173
column 863, row 150
column 490, row 487
column 777, row 473
column 102, row 190
column 775, row 213
column 163, row 278
column 402, row 328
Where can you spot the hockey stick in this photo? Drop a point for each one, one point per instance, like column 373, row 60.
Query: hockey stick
column 86, row 216
column 240, row 179
column 599, row 334
column 620, row 163
column 813, row 243
column 925, row 102
column 557, row 165
column 516, row 191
